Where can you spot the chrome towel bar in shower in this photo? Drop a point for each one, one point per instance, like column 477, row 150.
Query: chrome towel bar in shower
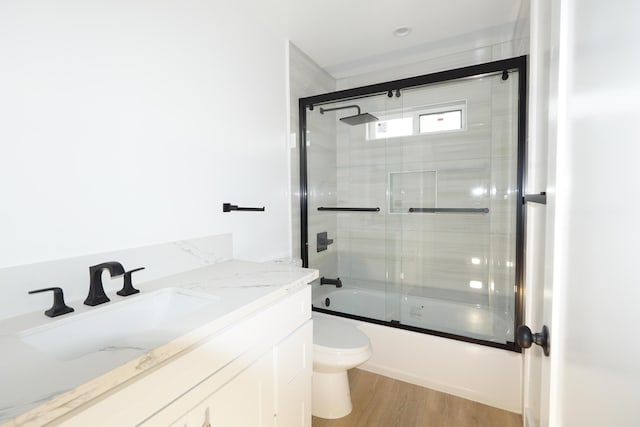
column 449, row 210
column 322, row 208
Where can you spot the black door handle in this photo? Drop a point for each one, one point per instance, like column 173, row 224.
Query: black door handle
column 525, row 338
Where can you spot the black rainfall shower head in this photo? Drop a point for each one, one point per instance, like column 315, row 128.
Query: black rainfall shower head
column 357, row 119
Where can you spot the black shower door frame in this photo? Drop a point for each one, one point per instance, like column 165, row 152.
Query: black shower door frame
column 518, row 64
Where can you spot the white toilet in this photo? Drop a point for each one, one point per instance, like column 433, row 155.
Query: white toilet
column 337, row 347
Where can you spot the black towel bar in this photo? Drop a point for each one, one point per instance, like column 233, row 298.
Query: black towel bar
column 228, row 207
column 449, row 210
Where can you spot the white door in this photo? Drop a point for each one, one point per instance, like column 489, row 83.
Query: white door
column 591, row 273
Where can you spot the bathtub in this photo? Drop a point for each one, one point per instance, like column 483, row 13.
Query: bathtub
column 481, row 373
column 469, row 320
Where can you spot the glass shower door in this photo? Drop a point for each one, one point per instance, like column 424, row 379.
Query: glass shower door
column 414, row 214
column 347, row 207
column 452, row 207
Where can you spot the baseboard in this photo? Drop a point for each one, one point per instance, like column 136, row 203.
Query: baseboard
column 530, row 418
column 443, row 388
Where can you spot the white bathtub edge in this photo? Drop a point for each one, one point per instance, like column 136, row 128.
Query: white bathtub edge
column 483, row 374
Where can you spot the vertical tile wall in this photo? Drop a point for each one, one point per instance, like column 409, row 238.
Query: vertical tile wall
column 322, row 190
column 306, row 78
column 433, row 254
column 406, row 254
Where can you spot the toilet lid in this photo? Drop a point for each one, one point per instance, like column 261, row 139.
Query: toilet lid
column 337, row 334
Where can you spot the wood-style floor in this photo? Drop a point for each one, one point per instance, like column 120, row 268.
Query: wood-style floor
column 385, row 402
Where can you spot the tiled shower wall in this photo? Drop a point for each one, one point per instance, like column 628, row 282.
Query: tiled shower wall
column 433, row 254
column 306, row 78
column 387, row 251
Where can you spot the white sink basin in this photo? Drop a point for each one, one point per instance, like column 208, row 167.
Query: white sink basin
column 142, row 323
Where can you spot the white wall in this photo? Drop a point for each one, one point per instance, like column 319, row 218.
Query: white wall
column 492, row 44
column 129, row 123
column 522, row 31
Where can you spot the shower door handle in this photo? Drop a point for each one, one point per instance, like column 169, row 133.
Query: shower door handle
column 525, row 338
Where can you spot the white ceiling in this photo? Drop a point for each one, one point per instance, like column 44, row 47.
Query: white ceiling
column 339, row 32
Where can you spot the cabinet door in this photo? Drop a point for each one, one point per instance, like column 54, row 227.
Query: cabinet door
column 247, row 400
column 294, row 367
column 273, row 391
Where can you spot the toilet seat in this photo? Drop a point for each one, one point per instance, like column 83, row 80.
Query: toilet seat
column 338, row 345
column 334, row 336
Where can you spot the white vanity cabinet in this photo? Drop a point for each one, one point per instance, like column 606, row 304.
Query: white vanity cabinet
column 255, row 372
column 273, row 391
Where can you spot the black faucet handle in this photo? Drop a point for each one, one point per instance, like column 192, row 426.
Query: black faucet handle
column 128, row 288
column 59, row 307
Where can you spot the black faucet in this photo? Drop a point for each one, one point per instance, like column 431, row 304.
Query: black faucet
column 96, row 290
column 335, row 282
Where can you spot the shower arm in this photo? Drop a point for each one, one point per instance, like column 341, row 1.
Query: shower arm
column 324, row 110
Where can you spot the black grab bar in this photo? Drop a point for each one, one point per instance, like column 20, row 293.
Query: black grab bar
column 449, row 210
column 341, row 209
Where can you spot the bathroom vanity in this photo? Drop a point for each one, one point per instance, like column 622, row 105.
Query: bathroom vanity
column 245, row 359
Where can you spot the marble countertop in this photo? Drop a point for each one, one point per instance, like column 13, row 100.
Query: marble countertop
column 37, row 388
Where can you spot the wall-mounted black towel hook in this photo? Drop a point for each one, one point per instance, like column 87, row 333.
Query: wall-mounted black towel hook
column 228, row 207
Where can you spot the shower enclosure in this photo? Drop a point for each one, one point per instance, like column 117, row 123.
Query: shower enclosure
column 411, row 202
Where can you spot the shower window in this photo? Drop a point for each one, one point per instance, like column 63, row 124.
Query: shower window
column 417, row 120
column 441, row 121
column 391, row 128
column 426, row 230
